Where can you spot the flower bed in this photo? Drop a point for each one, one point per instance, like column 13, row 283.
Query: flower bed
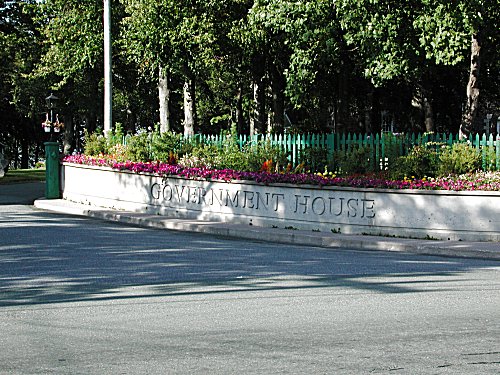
column 482, row 181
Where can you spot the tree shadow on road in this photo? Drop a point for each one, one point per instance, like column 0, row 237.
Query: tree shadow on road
column 49, row 258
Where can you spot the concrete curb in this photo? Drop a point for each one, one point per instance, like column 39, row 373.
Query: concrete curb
column 481, row 250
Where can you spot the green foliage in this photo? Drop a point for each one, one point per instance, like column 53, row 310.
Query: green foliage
column 163, row 146
column 256, row 155
column 138, row 147
column 115, row 136
column 302, row 35
column 314, row 158
column 220, row 156
column 203, row 156
column 73, row 32
column 443, row 32
column 419, row 163
column 429, row 161
column 461, row 158
column 229, row 156
column 490, row 159
column 406, row 39
column 95, row 144
column 393, row 149
column 142, row 146
column 355, row 161
column 318, row 56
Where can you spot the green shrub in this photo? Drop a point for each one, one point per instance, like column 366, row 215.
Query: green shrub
column 256, row 154
column 138, row 147
column 315, row 158
column 356, row 161
column 203, row 156
column 166, row 144
column 461, row 158
column 95, row 143
column 490, row 159
column 420, row 162
column 115, row 137
column 229, row 156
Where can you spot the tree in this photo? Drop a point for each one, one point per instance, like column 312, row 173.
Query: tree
column 483, row 27
column 383, row 35
column 445, row 31
column 20, row 98
column 193, row 65
column 172, row 38
column 411, row 40
column 296, row 46
column 73, row 63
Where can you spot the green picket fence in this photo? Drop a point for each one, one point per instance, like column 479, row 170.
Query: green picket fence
column 382, row 146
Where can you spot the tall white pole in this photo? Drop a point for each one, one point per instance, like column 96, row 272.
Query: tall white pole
column 108, row 86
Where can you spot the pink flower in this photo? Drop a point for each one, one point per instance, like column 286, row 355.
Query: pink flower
column 479, row 181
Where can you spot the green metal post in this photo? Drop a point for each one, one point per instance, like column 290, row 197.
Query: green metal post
column 52, row 184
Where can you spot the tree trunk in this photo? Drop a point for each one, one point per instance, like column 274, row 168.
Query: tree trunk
column 257, row 117
column 25, row 154
column 342, row 115
column 427, row 110
column 15, row 155
column 69, row 134
column 471, row 107
column 428, row 115
column 278, row 97
column 376, row 120
column 240, row 122
column 164, row 98
column 422, row 102
column 189, row 108
column 368, row 112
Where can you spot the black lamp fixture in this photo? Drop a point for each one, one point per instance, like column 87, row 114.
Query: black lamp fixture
column 51, row 125
column 51, row 101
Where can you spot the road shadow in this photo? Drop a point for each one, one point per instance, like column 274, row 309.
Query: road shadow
column 21, row 193
column 51, row 258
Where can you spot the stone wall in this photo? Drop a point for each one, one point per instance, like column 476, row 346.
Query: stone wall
column 471, row 216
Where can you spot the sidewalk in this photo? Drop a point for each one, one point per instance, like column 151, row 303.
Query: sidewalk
column 483, row 250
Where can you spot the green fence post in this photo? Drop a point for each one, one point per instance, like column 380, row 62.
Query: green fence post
column 52, row 181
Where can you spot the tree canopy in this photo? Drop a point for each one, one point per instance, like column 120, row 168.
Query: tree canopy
column 259, row 65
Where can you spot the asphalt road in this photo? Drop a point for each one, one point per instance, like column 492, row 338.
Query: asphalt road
column 82, row 296
column 23, row 193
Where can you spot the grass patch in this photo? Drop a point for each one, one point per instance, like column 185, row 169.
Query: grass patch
column 23, row 175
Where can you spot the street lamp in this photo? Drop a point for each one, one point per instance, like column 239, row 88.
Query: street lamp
column 50, row 126
column 52, row 180
column 51, row 101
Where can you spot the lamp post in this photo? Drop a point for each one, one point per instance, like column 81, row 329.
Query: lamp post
column 108, row 85
column 52, row 189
